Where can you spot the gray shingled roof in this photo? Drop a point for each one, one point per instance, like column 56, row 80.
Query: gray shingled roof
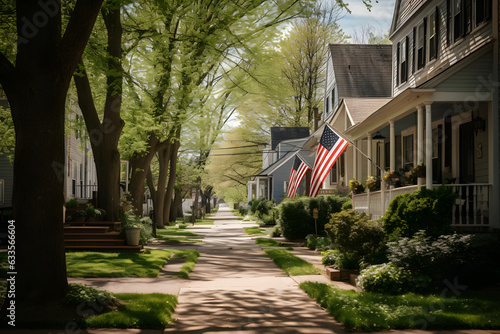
column 362, row 70
column 278, row 134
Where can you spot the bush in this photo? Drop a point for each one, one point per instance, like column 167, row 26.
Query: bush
column 463, row 257
column 347, row 205
column 429, row 210
column 72, row 204
column 296, row 219
column 384, row 278
column 79, row 293
column 276, row 231
column 311, row 241
column 243, row 212
column 356, row 236
column 339, row 260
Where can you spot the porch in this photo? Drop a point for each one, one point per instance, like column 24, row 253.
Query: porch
column 471, row 208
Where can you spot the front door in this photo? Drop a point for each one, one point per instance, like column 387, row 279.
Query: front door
column 466, row 153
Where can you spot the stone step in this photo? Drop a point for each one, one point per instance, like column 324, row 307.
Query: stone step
column 111, row 249
column 81, row 235
column 94, row 242
column 112, row 225
column 86, row 229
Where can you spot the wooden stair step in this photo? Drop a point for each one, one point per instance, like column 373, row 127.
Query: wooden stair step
column 124, row 248
column 83, row 235
column 94, row 242
column 86, row 229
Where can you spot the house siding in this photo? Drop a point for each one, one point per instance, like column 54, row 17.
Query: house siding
column 469, row 78
column 330, row 84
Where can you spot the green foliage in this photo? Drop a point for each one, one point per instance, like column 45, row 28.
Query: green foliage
column 384, row 278
column 347, row 205
column 80, row 213
column 320, row 243
column 276, row 231
column 253, row 230
column 296, row 219
column 91, row 211
column 429, row 210
column 356, row 236
column 339, row 260
column 374, row 311
column 464, row 257
column 80, row 293
column 7, row 133
column 72, row 203
column 243, row 212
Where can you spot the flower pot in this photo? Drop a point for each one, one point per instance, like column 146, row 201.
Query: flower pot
column 79, row 219
column 133, row 236
column 91, row 219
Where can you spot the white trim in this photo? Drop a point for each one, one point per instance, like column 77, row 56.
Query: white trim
column 456, row 121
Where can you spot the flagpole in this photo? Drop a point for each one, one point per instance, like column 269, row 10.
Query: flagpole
column 350, row 142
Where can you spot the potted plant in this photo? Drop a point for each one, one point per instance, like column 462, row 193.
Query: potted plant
column 356, row 187
column 391, row 177
column 419, row 170
column 91, row 213
column 132, row 227
column 80, row 216
column 126, row 201
column 373, row 183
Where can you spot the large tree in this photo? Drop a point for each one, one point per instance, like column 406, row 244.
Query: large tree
column 36, row 80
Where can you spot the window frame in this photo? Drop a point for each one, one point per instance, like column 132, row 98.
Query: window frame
column 403, row 60
column 421, row 44
column 434, row 34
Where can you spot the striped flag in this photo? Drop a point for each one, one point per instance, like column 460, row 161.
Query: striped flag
column 301, row 167
column 330, row 148
column 293, row 173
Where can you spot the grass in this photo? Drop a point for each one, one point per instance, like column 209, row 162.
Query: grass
column 291, row 264
column 152, row 311
column 204, row 222
column 94, row 264
column 373, row 311
column 267, row 242
column 253, row 230
column 173, row 234
column 191, row 259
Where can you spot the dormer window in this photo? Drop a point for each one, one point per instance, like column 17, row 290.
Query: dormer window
column 422, row 31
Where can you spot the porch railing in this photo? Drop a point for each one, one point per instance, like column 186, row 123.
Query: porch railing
column 471, row 208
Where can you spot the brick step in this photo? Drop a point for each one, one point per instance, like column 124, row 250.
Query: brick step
column 80, row 235
column 86, row 229
column 94, row 242
column 116, row 249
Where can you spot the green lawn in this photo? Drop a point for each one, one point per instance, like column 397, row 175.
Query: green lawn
column 373, row 311
column 191, row 259
column 291, row 264
column 253, row 230
column 93, row 264
column 174, row 234
column 267, row 242
column 146, row 311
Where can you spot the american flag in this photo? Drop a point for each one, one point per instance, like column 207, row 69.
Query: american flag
column 299, row 169
column 330, row 148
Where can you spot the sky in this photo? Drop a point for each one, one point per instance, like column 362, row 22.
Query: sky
column 380, row 16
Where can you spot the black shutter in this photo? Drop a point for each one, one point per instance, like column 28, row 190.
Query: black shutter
column 447, row 141
column 448, row 22
column 425, row 41
column 438, row 39
column 407, row 61
column 414, row 58
column 397, row 65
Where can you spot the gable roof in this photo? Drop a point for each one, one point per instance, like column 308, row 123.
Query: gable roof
column 362, row 70
column 403, row 11
column 278, row 164
column 281, row 133
column 360, row 108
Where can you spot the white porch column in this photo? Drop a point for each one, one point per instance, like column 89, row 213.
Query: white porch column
column 370, row 155
column 257, row 188
column 428, row 147
column 249, row 191
column 392, row 143
column 354, row 161
column 420, row 142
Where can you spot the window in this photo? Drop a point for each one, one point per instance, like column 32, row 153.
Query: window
column 327, row 107
column 433, row 35
column 404, row 60
column 333, row 173
column 2, row 191
column 448, row 22
column 421, row 44
column 483, row 11
column 408, row 151
column 333, row 99
column 457, row 20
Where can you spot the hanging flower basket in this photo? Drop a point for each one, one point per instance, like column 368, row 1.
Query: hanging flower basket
column 356, row 187
column 373, row 183
column 391, row 177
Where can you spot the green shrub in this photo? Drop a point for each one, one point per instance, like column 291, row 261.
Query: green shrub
column 462, row 257
column 357, row 236
column 72, row 203
column 80, row 293
column 347, row 205
column 296, row 217
column 276, row 231
column 311, row 241
column 384, row 278
column 243, row 211
column 429, row 210
column 339, row 260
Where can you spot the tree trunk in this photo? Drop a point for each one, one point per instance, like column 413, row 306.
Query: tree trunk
column 172, row 176
column 160, row 191
column 195, row 204
column 36, row 89
column 104, row 135
column 176, row 210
